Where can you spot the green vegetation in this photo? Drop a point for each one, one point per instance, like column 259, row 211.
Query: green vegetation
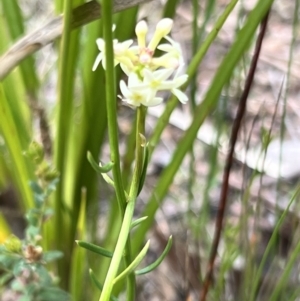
column 63, row 178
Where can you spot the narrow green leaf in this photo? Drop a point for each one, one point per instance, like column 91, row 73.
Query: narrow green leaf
column 98, row 284
column 94, row 248
column 98, row 167
column 144, row 170
column 282, row 283
column 170, row 8
column 111, row 105
column 138, row 221
column 15, row 25
column 95, row 280
column 134, row 263
column 78, row 259
column 12, row 141
column 108, row 180
column 79, row 172
column 68, row 61
column 271, row 243
column 158, row 261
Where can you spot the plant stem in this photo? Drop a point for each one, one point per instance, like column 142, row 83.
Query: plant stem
column 127, row 209
column 125, row 228
column 112, row 104
column 64, row 120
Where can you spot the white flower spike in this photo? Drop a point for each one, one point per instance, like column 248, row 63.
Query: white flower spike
column 147, row 74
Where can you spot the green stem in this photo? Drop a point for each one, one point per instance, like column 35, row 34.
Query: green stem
column 271, row 243
column 112, row 103
column 65, row 103
column 127, row 220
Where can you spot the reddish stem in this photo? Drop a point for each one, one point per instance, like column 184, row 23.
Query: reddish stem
column 229, row 160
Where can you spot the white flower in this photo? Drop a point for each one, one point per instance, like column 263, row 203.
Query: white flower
column 123, row 53
column 178, row 81
column 147, row 74
column 173, row 57
column 180, row 95
column 101, row 56
column 156, row 80
column 122, row 49
column 137, row 93
column 172, row 48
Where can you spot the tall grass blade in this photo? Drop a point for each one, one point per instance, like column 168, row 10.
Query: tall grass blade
column 15, row 26
column 9, row 131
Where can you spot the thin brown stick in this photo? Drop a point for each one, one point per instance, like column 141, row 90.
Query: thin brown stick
column 32, row 42
column 229, row 160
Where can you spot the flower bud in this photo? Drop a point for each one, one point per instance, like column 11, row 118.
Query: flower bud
column 33, row 253
column 36, row 152
column 141, row 30
column 163, row 28
column 166, row 61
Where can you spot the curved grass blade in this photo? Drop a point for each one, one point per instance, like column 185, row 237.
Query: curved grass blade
column 271, row 243
column 282, row 284
column 134, row 263
column 10, row 133
column 158, row 261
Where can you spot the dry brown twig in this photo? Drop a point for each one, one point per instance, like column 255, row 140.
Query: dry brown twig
column 229, row 160
column 32, row 42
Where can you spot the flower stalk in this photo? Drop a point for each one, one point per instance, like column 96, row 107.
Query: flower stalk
column 111, row 105
column 127, row 220
column 147, row 77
